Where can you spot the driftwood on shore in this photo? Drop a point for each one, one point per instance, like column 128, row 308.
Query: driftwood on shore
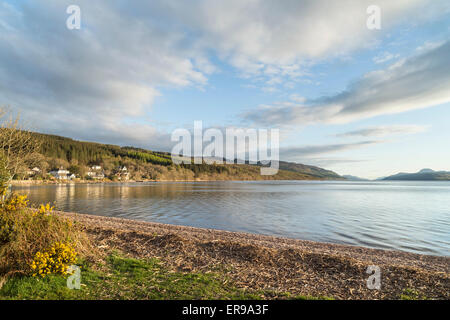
column 272, row 263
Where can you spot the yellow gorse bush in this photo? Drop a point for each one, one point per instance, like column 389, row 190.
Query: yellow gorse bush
column 7, row 230
column 10, row 205
column 43, row 210
column 15, row 202
column 36, row 241
column 55, row 259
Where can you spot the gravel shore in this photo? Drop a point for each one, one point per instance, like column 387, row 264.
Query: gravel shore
column 272, row 263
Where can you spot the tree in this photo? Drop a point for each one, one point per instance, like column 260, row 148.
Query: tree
column 18, row 149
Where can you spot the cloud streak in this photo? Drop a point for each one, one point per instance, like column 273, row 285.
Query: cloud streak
column 382, row 131
column 309, row 151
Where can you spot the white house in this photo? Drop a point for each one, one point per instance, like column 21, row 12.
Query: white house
column 122, row 173
column 96, row 175
column 62, row 174
column 34, row 171
column 96, row 172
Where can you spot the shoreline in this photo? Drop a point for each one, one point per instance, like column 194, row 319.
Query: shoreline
column 267, row 262
column 16, row 183
column 64, row 182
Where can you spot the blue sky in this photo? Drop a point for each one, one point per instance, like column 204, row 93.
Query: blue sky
column 357, row 101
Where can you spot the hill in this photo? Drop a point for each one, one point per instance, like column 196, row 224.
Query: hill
column 309, row 170
column 142, row 164
column 422, row 175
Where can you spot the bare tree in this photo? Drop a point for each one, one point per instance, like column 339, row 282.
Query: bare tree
column 18, row 149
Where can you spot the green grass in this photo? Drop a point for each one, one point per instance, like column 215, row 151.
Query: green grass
column 126, row 278
column 411, row 294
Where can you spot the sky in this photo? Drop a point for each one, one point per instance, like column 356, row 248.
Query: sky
column 359, row 101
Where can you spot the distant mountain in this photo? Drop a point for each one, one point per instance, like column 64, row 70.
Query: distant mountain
column 422, row 175
column 354, row 178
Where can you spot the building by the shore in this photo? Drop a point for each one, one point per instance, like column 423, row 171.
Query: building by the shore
column 122, row 174
column 62, row 174
column 96, row 172
column 33, row 172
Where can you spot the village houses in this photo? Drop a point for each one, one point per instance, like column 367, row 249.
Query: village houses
column 96, row 172
column 62, row 174
column 122, row 173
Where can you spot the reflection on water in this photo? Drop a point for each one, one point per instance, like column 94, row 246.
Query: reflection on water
column 410, row 216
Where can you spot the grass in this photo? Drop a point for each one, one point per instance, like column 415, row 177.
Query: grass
column 127, row 278
column 411, row 294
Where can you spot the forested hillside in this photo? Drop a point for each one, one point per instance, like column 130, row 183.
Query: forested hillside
column 77, row 156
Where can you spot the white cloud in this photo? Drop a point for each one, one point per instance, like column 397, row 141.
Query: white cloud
column 270, row 37
column 92, row 83
column 297, row 98
column 420, row 81
column 385, row 57
column 92, row 79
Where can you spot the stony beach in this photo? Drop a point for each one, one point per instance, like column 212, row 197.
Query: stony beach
column 277, row 264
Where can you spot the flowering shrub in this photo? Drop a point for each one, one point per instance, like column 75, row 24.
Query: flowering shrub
column 7, row 229
column 15, row 202
column 37, row 241
column 55, row 259
column 43, row 210
column 11, row 204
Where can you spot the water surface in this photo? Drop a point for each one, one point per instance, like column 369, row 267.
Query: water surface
column 409, row 216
